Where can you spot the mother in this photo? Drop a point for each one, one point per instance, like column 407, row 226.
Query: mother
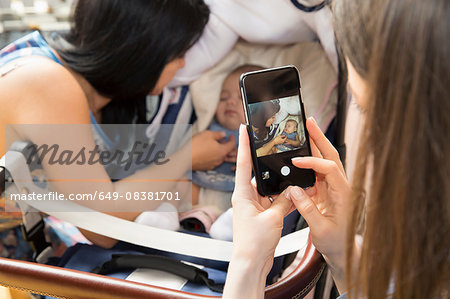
column 264, row 127
column 397, row 54
column 115, row 54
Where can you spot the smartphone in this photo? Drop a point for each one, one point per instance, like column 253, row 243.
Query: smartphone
column 276, row 125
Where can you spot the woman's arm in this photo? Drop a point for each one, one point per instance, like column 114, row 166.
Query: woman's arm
column 325, row 207
column 266, row 149
column 58, row 114
column 257, row 225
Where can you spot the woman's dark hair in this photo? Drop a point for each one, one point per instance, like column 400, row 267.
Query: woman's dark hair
column 260, row 113
column 121, row 47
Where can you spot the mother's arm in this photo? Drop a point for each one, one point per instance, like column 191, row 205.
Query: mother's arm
column 53, row 109
column 266, row 149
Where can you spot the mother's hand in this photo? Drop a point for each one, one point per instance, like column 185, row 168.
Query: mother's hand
column 208, row 151
column 325, row 206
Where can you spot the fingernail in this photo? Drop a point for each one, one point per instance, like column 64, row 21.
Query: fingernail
column 313, row 119
column 287, row 193
column 241, row 128
column 297, row 193
column 297, row 159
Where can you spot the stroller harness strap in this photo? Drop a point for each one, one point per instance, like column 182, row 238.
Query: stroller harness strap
column 132, row 261
column 120, row 229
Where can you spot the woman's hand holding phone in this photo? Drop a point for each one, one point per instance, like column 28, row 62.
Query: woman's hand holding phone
column 257, row 225
column 257, row 222
column 325, row 206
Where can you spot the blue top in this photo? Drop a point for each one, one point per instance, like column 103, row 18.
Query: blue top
column 285, row 147
column 222, row 177
column 32, row 44
column 109, row 137
column 291, row 136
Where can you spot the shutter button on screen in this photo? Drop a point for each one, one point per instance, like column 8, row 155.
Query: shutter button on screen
column 285, row 170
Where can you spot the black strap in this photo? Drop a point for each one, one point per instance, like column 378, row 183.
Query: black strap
column 120, row 262
column 36, row 237
column 310, row 8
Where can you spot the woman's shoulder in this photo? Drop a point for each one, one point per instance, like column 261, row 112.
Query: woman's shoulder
column 39, row 90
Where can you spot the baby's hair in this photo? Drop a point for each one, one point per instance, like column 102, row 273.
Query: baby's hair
column 292, row 121
column 246, row 68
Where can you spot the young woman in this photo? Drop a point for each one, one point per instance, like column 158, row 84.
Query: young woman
column 115, row 54
column 397, row 54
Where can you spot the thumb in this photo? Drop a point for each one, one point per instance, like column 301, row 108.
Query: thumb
column 282, row 203
column 218, row 135
column 306, row 207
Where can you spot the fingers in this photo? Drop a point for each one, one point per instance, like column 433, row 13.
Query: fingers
column 327, row 168
column 218, row 135
column 314, row 150
column 244, row 159
column 324, row 146
column 307, row 208
column 230, row 145
column 281, row 203
column 231, row 156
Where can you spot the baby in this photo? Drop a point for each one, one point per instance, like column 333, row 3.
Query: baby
column 213, row 188
column 291, row 139
column 229, row 115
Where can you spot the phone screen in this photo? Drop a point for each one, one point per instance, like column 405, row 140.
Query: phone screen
column 276, row 123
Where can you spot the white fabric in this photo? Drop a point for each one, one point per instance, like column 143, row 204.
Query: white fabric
column 220, row 200
column 216, row 41
column 222, row 228
column 165, row 216
column 157, row 278
column 256, row 21
column 286, row 108
column 318, row 79
column 131, row 232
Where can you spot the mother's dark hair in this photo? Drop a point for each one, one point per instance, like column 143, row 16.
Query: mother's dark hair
column 121, row 47
column 260, row 113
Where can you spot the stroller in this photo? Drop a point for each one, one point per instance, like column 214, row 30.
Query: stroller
column 40, row 279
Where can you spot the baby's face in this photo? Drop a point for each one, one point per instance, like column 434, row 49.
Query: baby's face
column 230, row 113
column 290, row 127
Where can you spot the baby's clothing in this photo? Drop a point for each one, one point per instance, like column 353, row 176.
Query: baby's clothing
column 286, row 147
column 222, row 228
column 216, row 189
column 220, row 178
column 165, row 216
